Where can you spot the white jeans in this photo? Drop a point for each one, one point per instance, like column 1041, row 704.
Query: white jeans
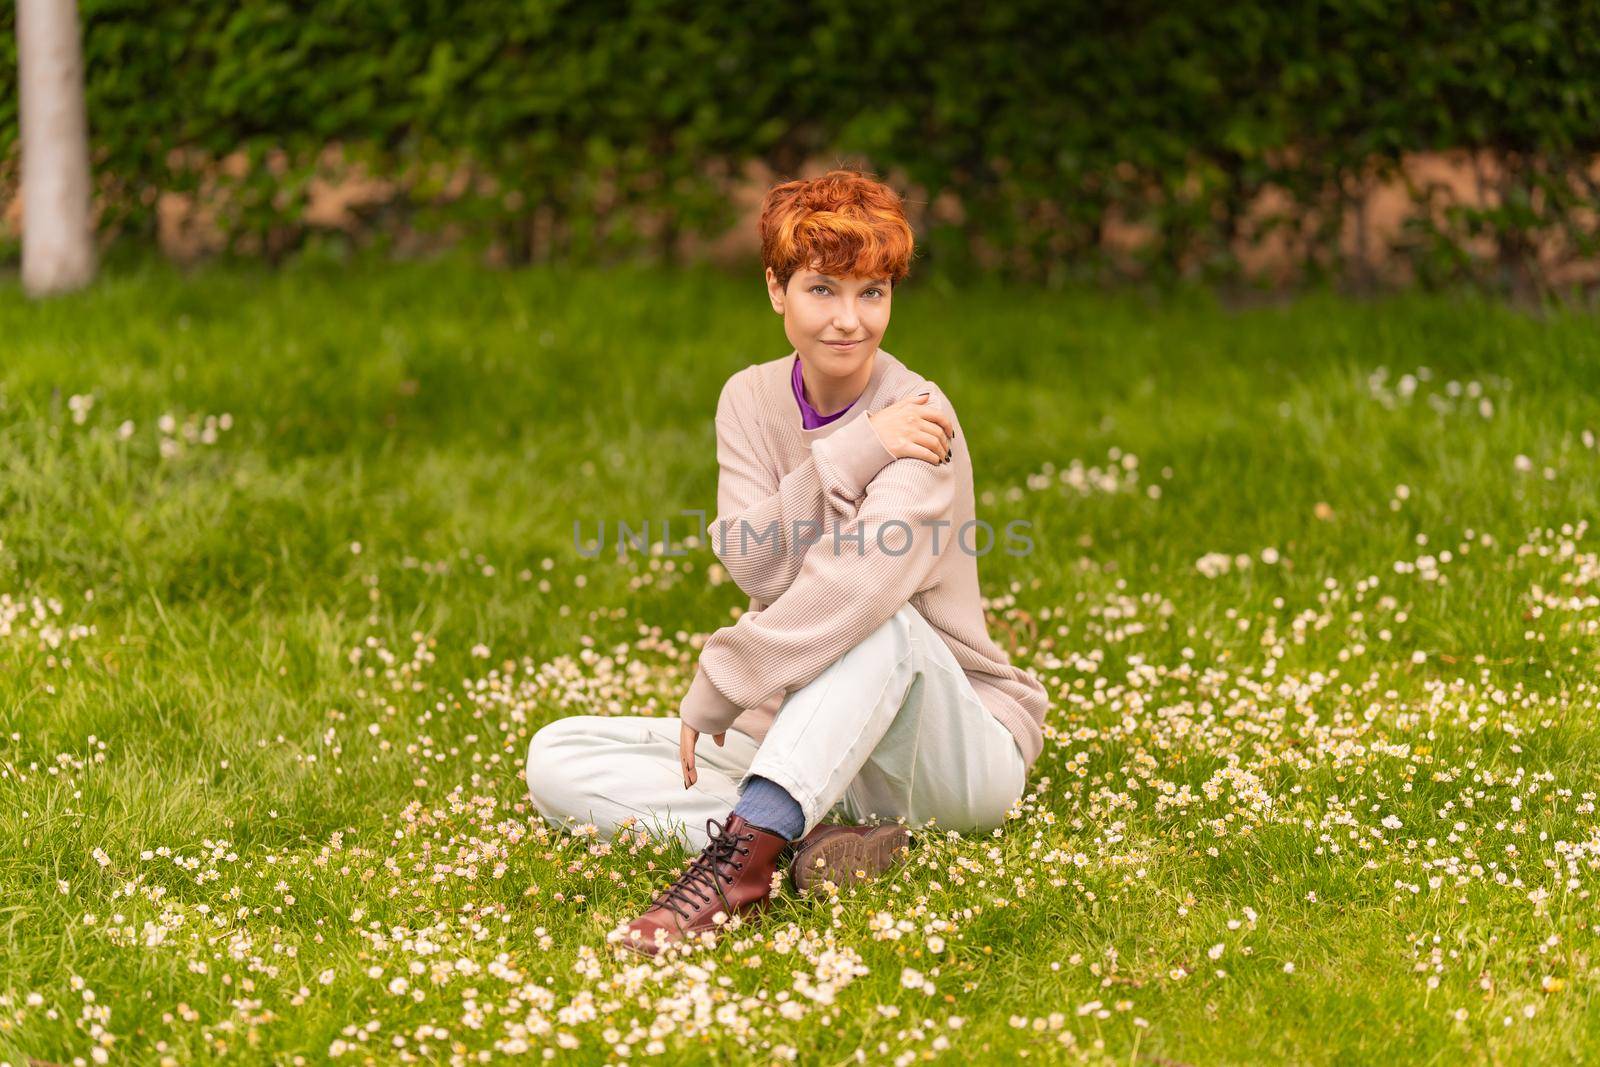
column 890, row 729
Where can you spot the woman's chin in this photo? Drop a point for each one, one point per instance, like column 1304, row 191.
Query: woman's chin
column 844, row 360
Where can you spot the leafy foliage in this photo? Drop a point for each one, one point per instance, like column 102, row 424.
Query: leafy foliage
column 609, row 130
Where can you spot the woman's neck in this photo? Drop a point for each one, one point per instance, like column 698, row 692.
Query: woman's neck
column 832, row 395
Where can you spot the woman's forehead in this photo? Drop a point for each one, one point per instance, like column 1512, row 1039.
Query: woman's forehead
column 862, row 278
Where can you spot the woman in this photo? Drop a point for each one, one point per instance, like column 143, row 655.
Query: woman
column 862, row 680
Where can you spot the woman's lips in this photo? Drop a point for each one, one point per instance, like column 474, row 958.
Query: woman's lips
column 842, row 344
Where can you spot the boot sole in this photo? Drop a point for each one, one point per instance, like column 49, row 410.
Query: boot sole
column 647, row 949
column 843, row 855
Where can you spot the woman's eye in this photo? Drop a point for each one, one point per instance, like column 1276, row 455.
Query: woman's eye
column 878, row 291
column 824, row 288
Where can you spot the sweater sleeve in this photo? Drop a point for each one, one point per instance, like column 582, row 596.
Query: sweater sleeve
column 762, row 527
column 847, row 586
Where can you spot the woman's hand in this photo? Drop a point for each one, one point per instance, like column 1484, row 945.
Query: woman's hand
column 687, row 736
column 909, row 428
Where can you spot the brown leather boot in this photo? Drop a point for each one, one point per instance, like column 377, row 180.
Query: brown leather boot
column 845, row 855
column 732, row 875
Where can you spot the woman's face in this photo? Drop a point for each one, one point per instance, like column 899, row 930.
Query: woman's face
column 819, row 310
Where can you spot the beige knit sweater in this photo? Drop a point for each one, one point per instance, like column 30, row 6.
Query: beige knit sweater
column 882, row 531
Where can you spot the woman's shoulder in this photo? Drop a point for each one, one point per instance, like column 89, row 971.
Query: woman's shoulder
column 902, row 382
column 755, row 385
column 737, row 390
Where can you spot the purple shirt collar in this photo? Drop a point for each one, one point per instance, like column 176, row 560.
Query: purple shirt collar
column 809, row 419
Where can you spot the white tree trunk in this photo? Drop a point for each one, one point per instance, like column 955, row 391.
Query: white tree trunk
column 58, row 251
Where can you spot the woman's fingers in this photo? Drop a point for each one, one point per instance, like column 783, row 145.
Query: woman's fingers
column 937, row 443
column 934, row 443
column 918, row 431
column 686, row 739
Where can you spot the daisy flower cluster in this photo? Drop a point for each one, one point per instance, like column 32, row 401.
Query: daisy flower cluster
column 1223, row 783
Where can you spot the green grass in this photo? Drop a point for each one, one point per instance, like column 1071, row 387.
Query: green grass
column 251, row 775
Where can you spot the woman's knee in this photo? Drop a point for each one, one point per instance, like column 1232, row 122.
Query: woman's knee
column 892, row 635
column 553, row 769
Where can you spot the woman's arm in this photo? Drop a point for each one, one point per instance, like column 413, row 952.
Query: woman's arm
column 836, row 598
column 763, row 526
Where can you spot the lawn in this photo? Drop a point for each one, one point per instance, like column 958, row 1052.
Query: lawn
column 288, row 578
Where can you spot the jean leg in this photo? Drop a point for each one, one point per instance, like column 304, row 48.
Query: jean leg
column 623, row 770
column 826, row 730
column 894, row 729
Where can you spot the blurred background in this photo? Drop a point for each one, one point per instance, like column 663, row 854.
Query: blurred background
column 1362, row 144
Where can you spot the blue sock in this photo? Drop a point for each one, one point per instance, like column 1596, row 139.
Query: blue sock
column 768, row 805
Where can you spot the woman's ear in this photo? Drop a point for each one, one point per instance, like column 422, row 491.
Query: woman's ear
column 775, row 292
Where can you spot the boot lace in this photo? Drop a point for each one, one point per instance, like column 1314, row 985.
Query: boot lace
column 703, row 878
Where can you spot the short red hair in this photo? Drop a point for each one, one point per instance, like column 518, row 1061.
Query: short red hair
column 845, row 222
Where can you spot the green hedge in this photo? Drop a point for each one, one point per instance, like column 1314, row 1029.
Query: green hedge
column 607, row 129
